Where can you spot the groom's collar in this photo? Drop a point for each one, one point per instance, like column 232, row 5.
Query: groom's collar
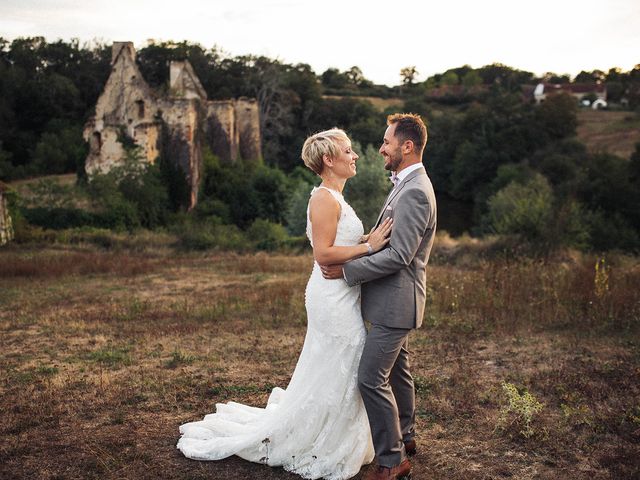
column 405, row 172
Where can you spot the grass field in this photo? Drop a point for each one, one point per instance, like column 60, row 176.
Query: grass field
column 104, row 354
column 609, row 131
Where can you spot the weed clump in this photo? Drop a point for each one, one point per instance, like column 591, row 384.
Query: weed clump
column 519, row 410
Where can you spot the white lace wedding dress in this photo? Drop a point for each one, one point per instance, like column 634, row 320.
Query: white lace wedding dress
column 317, row 427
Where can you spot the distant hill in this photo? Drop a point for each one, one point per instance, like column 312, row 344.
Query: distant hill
column 379, row 103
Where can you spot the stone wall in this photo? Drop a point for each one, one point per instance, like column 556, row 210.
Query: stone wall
column 221, row 131
column 6, row 225
column 183, row 81
column 183, row 119
column 248, row 127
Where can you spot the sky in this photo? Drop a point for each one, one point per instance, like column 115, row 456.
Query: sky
column 380, row 37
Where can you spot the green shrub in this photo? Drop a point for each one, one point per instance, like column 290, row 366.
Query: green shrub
column 212, row 207
column 272, row 190
column 240, row 193
column 611, row 230
column 149, row 195
column 265, row 235
column 297, row 244
column 60, row 150
column 524, row 209
column 118, row 214
column 130, row 196
column 58, row 218
column 211, row 234
column 367, row 191
column 296, row 215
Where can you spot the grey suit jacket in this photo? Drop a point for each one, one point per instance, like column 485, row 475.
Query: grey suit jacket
column 394, row 279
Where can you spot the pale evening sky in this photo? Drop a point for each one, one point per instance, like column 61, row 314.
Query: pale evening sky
column 381, row 37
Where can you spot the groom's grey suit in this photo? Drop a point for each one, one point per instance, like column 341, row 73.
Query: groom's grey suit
column 393, row 300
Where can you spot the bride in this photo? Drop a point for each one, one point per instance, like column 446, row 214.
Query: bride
column 317, row 427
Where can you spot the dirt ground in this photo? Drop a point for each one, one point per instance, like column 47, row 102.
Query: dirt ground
column 104, row 354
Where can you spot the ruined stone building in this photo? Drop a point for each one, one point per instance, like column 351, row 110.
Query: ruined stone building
column 177, row 125
column 6, row 226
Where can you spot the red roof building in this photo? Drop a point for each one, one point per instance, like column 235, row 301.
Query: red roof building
column 578, row 90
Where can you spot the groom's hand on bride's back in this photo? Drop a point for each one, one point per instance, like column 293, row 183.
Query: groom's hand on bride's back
column 332, row 272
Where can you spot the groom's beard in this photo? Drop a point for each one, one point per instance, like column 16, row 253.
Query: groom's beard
column 394, row 161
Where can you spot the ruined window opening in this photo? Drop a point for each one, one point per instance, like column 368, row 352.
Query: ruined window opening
column 140, row 104
column 96, row 141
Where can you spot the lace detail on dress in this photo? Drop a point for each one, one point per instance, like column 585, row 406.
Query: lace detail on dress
column 317, row 427
column 350, row 229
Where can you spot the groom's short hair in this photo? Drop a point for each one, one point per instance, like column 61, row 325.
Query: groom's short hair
column 409, row 126
column 320, row 144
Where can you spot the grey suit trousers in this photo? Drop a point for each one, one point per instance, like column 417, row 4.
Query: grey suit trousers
column 388, row 392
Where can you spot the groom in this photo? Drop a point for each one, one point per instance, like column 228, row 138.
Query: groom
column 393, row 296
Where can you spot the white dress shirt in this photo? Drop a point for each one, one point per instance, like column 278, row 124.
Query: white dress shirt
column 403, row 173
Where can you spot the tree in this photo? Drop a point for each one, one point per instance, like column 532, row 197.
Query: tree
column 130, row 195
column 367, row 191
column 355, row 76
column 505, row 77
column 450, row 78
column 524, row 209
column 408, row 75
column 332, row 78
column 60, row 151
column 471, row 79
column 557, row 116
column 551, row 77
column 296, row 216
column 634, row 165
column 595, row 76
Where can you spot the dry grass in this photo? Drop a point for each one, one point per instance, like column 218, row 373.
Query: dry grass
column 103, row 360
column 59, row 264
column 613, row 132
column 52, row 191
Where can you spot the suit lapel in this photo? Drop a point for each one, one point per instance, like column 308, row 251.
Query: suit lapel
column 397, row 190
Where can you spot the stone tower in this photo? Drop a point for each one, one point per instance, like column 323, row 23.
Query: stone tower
column 126, row 111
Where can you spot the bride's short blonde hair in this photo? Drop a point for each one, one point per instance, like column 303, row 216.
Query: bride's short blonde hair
column 320, row 144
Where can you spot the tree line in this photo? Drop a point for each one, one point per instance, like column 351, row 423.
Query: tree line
column 518, row 167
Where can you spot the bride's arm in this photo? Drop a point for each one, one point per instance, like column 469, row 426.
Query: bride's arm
column 324, row 212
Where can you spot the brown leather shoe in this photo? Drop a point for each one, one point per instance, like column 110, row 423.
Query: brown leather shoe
column 399, row 472
column 410, row 447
